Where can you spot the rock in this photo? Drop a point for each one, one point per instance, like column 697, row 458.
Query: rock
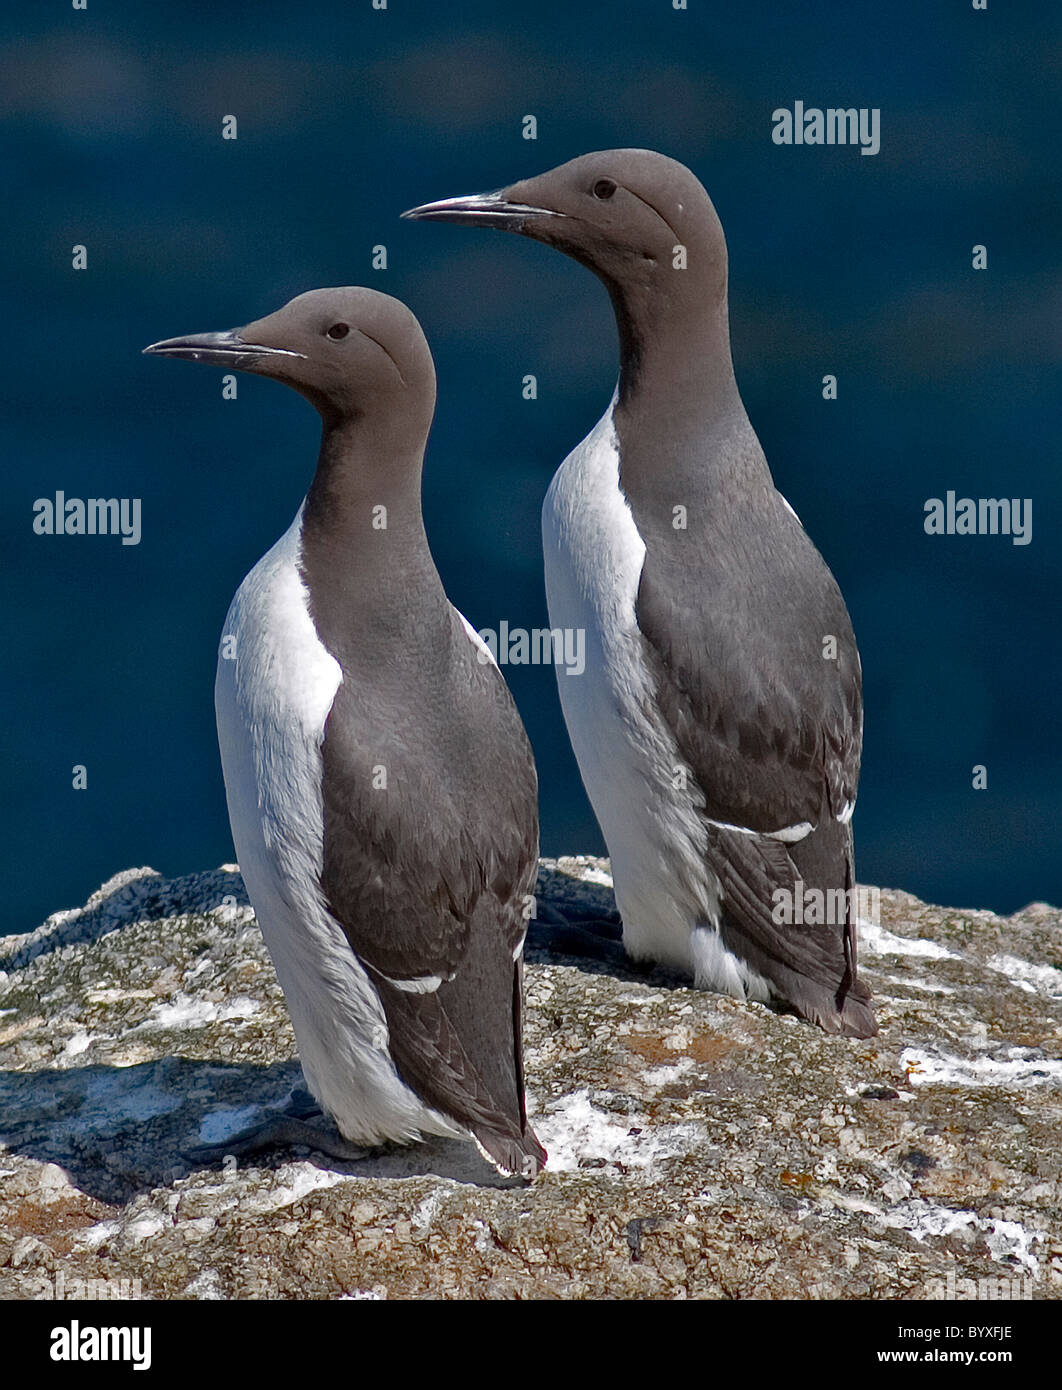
column 700, row 1147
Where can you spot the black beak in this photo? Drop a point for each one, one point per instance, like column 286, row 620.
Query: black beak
column 218, row 349
column 481, row 210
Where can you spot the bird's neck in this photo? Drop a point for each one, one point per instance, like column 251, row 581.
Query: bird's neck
column 678, row 414
column 674, row 349
column 363, row 539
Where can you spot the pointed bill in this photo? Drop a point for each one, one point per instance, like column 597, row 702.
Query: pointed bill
column 218, row 349
column 480, row 209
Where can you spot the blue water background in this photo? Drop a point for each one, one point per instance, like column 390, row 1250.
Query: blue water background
column 840, row 263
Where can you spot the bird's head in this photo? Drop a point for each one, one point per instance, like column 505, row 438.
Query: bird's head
column 634, row 217
column 349, row 351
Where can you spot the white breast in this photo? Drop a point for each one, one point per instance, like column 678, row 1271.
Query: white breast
column 272, row 701
column 643, row 794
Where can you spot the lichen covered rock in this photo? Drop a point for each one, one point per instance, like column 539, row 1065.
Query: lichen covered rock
column 700, row 1147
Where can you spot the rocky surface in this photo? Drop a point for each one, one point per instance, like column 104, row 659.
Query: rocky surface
column 699, row 1147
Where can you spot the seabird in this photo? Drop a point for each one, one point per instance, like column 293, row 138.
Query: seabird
column 718, row 724
column 380, row 785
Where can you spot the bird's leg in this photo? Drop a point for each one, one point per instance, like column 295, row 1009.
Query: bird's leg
column 288, row 1125
column 605, row 924
column 591, row 938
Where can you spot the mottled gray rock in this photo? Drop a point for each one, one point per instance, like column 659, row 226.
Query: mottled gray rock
column 699, row 1147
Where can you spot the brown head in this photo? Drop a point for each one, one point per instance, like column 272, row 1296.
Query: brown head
column 640, row 221
column 352, row 352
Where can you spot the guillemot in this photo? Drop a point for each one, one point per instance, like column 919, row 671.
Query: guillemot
column 380, row 785
column 718, row 725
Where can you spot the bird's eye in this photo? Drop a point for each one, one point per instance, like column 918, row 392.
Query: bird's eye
column 338, row 330
column 604, row 188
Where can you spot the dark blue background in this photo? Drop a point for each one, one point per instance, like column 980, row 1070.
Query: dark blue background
column 841, row 263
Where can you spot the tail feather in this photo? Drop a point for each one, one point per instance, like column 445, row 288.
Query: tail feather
column 811, row 967
column 523, row 1157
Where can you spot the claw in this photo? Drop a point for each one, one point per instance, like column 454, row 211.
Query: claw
column 286, row 1127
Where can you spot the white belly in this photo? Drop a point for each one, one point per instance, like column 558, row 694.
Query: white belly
column 272, row 701
column 630, row 764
